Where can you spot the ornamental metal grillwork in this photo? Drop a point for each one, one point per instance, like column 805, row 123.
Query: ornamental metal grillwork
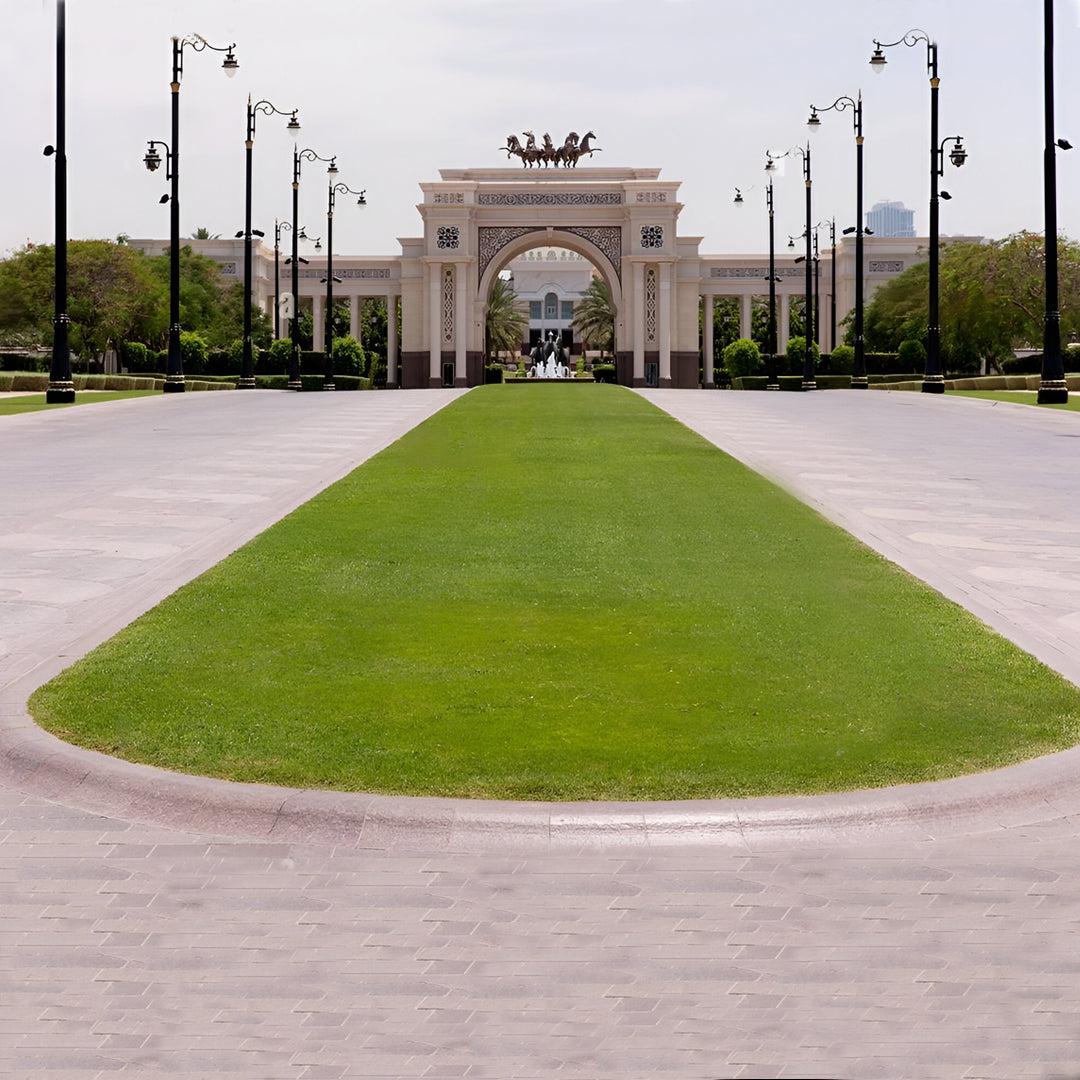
column 652, row 236
column 448, row 198
column 891, row 266
column 652, row 196
column 650, row 304
column 608, row 238
column 448, row 305
column 550, row 198
column 755, row 273
column 228, row 268
column 448, row 238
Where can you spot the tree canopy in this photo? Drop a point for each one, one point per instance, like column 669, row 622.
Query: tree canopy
column 505, row 319
column 594, row 316
column 991, row 299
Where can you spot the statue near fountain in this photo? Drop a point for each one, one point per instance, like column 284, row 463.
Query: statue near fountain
column 548, row 359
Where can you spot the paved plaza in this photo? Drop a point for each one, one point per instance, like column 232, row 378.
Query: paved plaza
column 160, row 925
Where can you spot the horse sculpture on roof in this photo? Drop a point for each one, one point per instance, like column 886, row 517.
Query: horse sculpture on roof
column 567, row 155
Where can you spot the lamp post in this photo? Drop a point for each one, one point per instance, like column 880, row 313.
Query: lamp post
column 174, row 377
column 278, row 226
column 294, row 357
column 247, row 369
column 933, row 380
column 858, row 370
column 344, row 189
column 61, row 390
column 771, row 382
column 832, row 260
column 808, row 382
column 1053, row 390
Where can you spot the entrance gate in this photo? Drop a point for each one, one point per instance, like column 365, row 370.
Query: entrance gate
column 622, row 220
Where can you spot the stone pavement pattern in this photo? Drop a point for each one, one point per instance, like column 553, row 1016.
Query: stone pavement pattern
column 134, row 949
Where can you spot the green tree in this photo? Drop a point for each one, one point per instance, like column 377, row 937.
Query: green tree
column 112, row 297
column 349, row 358
column 742, row 357
column 203, row 233
column 796, row 355
column 505, row 322
column 594, row 316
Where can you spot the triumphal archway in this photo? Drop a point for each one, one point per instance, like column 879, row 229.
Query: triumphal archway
column 624, row 221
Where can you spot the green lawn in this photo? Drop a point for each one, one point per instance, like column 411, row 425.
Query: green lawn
column 11, row 406
column 560, row 595
column 1022, row 397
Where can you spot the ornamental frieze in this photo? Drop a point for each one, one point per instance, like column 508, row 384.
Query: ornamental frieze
column 755, row 273
column 492, row 239
column 550, row 198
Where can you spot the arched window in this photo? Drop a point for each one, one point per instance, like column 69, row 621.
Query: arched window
column 551, row 306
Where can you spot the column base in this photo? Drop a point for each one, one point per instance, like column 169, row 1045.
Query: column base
column 174, row 384
column 328, row 384
column 933, row 384
column 246, row 384
column 772, row 386
column 859, row 382
column 1053, row 392
column 60, row 393
column 295, row 384
column 809, row 384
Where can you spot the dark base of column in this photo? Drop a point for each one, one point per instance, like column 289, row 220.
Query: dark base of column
column 935, row 384
column 666, row 384
column 772, row 386
column 174, row 384
column 328, row 384
column 859, row 382
column 295, row 385
column 60, row 393
column 1053, row 392
column 638, row 382
column 246, row 384
column 809, row 384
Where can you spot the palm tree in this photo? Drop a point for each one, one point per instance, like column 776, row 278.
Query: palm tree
column 505, row 320
column 594, row 316
column 203, row 233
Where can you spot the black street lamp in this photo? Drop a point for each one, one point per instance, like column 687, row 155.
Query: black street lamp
column 278, row 226
column 328, row 378
column 771, row 382
column 858, row 371
column 933, row 379
column 294, row 357
column 61, row 390
column 1053, row 390
column 174, row 376
column 808, row 382
column 831, row 223
column 247, row 370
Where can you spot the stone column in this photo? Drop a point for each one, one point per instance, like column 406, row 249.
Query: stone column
column 707, row 339
column 746, row 318
column 783, row 322
column 664, row 323
column 435, row 321
column 391, row 341
column 354, row 316
column 639, row 324
column 318, row 323
column 460, row 325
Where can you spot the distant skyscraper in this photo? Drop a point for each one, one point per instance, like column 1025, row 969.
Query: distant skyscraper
column 891, row 219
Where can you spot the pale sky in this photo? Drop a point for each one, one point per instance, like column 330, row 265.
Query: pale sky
column 398, row 89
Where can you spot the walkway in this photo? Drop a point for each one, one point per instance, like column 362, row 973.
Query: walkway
column 204, row 930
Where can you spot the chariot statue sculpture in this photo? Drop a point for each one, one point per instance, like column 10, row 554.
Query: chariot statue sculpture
column 548, row 154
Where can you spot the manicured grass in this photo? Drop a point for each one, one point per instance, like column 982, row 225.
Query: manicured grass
column 11, row 406
column 560, row 595
column 1021, row 397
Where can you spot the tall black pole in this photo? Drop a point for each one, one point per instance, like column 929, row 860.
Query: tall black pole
column 247, row 367
column 1053, row 389
column 933, row 380
column 832, row 302
column 858, row 367
column 294, row 355
column 808, row 381
column 770, row 334
column 61, row 390
column 328, row 378
column 174, row 372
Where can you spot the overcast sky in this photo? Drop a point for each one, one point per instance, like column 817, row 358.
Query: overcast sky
column 398, row 89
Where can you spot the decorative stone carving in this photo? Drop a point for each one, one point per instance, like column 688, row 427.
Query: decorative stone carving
column 448, row 198
column 886, row 266
column 652, row 197
column 448, row 305
column 550, row 198
column 448, row 238
column 650, row 305
column 652, row 236
column 608, row 238
column 755, row 273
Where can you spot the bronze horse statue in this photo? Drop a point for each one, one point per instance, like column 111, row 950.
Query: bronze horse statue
column 567, row 155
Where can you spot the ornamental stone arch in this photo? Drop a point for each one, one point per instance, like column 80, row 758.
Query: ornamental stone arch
column 622, row 220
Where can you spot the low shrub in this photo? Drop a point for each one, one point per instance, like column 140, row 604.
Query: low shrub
column 742, row 357
column 493, row 373
column 604, row 373
column 842, row 360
